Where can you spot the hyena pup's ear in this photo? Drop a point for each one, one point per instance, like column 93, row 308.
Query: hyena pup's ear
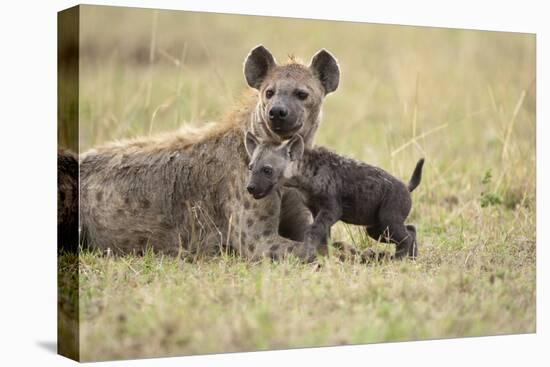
column 250, row 143
column 257, row 65
column 325, row 66
column 295, row 147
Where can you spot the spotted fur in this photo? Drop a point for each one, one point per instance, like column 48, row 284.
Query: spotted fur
column 184, row 192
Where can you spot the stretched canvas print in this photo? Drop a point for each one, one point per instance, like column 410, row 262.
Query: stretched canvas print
column 231, row 183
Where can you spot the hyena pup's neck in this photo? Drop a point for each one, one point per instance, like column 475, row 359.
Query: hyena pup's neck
column 302, row 173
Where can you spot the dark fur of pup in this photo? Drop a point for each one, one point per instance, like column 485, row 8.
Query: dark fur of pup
column 337, row 188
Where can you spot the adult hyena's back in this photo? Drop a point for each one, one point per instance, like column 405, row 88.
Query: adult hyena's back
column 170, row 198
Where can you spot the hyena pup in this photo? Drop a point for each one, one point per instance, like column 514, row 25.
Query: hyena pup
column 336, row 188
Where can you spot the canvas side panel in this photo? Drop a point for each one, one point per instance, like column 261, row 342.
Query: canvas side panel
column 68, row 44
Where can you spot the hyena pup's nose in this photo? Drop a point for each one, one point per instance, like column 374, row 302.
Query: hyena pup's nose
column 250, row 188
column 278, row 113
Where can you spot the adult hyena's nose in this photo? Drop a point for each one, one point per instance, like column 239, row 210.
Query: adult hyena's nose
column 251, row 188
column 278, row 113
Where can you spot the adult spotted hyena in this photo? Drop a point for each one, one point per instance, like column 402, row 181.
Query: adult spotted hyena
column 186, row 191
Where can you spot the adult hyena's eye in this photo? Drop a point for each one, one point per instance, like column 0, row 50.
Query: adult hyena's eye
column 269, row 93
column 268, row 171
column 302, row 95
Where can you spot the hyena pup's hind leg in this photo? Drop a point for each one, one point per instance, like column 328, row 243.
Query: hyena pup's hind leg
column 403, row 239
column 413, row 250
column 399, row 234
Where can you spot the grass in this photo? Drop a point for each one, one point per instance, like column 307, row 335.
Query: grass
column 156, row 305
column 464, row 100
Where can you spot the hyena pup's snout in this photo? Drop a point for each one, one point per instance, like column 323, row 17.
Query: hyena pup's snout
column 256, row 191
column 251, row 188
column 258, row 188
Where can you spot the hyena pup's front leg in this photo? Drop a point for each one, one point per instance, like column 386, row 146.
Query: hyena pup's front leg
column 318, row 233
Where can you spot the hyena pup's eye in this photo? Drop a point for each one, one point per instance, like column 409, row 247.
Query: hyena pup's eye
column 269, row 93
column 250, row 167
column 268, row 171
column 302, row 94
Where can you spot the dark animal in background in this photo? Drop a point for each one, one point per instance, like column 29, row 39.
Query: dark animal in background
column 336, row 188
column 67, row 201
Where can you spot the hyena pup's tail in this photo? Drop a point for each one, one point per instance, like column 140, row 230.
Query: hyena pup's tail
column 416, row 176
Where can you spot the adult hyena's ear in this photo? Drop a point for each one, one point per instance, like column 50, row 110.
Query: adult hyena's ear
column 295, row 148
column 250, row 143
column 257, row 65
column 325, row 66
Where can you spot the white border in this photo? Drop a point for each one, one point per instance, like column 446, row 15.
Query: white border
column 28, row 84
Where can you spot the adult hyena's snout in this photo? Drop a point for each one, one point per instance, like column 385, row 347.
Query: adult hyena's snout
column 283, row 120
column 284, row 112
column 277, row 115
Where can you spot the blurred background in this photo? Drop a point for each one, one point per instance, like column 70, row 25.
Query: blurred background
column 463, row 99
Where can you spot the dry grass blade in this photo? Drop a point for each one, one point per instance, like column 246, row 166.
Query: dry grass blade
column 415, row 139
column 511, row 124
